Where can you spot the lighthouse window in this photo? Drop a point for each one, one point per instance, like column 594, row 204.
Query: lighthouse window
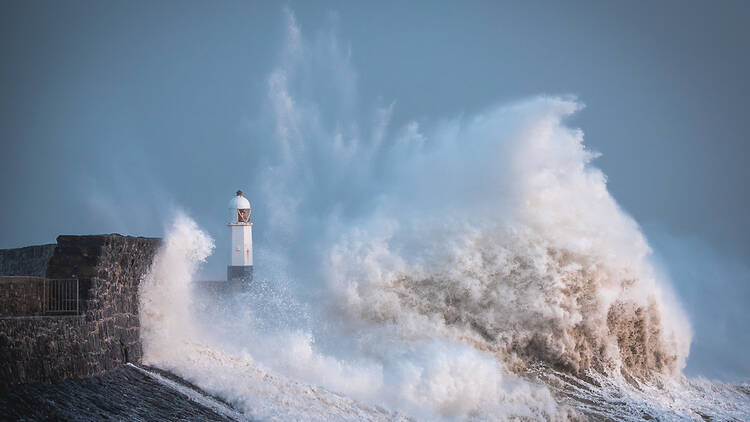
column 243, row 215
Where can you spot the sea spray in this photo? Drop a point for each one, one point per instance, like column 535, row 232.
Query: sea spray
column 230, row 354
column 165, row 293
column 552, row 270
column 462, row 268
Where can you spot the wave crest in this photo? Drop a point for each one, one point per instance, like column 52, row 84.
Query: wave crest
column 548, row 270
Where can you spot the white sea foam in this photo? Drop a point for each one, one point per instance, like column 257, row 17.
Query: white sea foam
column 228, row 353
column 427, row 271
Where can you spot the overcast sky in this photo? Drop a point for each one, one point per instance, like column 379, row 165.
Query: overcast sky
column 113, row 113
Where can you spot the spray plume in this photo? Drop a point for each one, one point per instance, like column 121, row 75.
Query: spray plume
column 445, row 259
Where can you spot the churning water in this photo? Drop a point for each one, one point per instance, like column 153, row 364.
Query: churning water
column 469, row 268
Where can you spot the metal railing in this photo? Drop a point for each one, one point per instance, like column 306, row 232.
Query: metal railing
column 60, row 296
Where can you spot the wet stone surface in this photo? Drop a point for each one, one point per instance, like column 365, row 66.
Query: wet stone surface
column 122, row 394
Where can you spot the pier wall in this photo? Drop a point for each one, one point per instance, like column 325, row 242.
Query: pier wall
column 105, row 332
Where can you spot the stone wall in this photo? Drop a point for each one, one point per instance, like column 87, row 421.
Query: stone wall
column 28, row 261
column 105, row 335
column 21, row 296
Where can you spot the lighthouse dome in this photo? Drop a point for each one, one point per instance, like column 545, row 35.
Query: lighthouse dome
column 239, row 202
column 239, row 207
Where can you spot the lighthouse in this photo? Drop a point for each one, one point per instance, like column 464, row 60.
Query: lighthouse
column 241, row 263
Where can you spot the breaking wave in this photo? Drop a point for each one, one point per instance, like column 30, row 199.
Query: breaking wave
column 557, row 273
column 470, row 268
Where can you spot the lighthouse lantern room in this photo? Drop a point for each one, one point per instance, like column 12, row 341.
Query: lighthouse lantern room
column 241, row 264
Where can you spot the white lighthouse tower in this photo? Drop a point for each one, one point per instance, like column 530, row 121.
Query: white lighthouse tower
column 241, row 264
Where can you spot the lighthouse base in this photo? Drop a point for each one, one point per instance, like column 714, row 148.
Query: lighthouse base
column 241, row 273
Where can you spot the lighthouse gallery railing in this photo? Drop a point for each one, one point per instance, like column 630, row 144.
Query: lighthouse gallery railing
column 60, row 296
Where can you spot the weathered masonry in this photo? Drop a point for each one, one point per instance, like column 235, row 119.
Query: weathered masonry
column 71, row 309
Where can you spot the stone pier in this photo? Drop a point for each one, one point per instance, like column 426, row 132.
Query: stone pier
column 103, row 335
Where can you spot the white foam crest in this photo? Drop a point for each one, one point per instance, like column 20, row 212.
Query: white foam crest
column 444, row 258
column 228, row 353
column 165, row 293
column 543, row 264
